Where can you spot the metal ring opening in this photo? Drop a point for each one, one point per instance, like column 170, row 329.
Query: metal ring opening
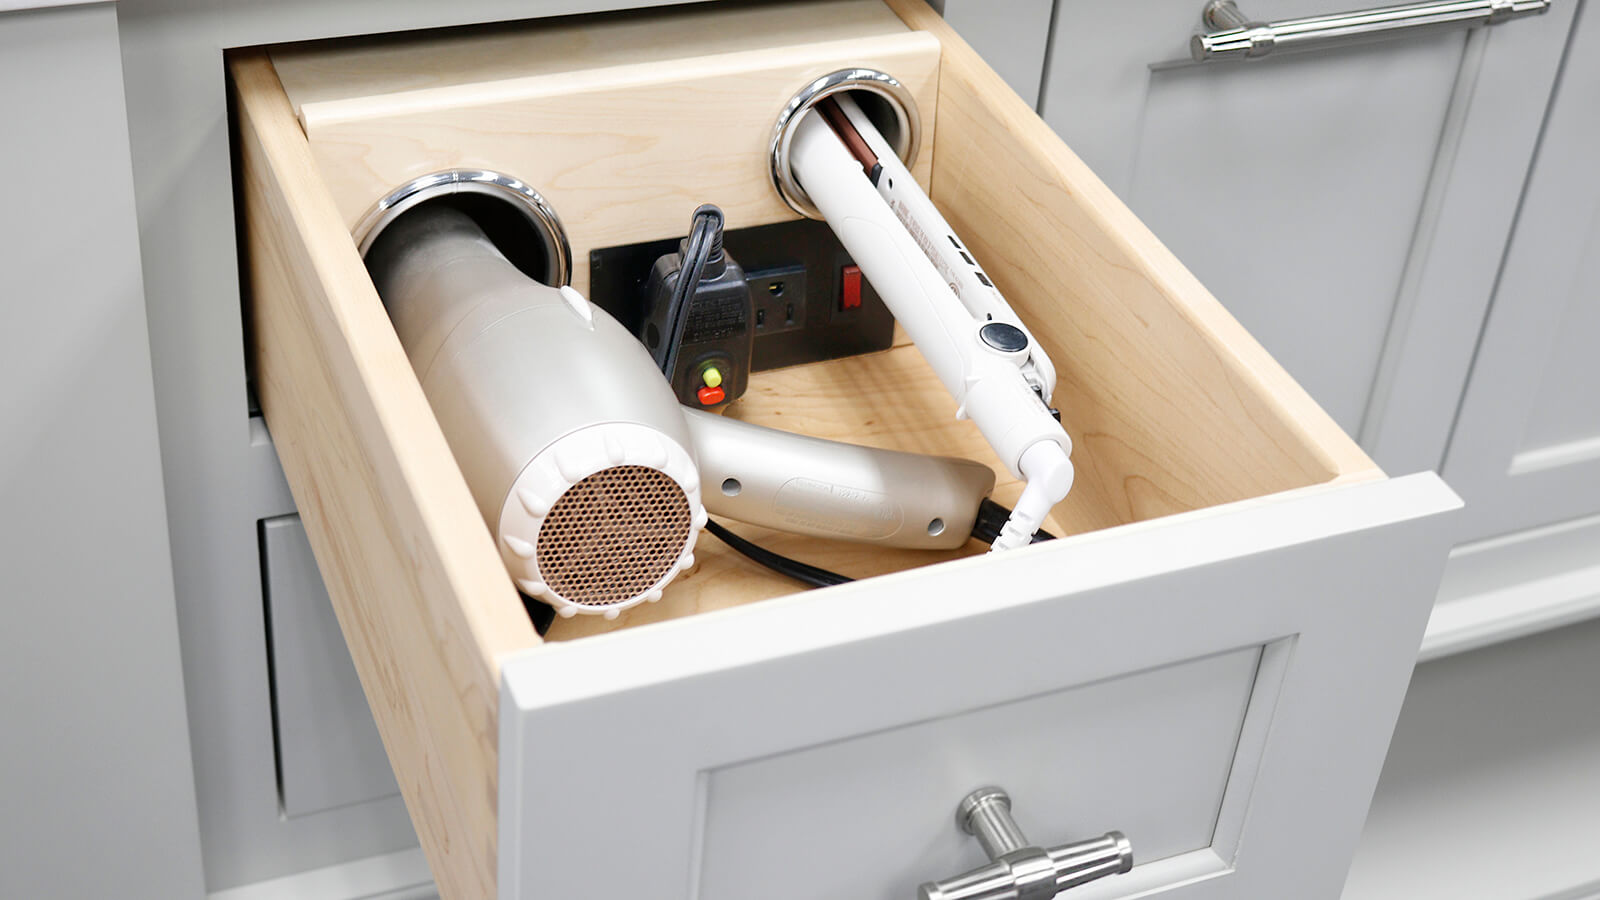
column 526, row 203
column 897, row 101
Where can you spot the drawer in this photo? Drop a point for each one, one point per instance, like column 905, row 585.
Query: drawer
column 1210, row 659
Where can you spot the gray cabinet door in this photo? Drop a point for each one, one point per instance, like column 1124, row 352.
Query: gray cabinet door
column 1347, row 205
column 95, row 779
column 1526, row 450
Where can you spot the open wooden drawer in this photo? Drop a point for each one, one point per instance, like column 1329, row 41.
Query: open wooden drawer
column 1210, row 660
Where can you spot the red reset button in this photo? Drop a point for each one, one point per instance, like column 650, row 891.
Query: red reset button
column 710, row 396
column 850, row 288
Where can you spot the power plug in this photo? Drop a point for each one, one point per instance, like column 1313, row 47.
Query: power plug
column 700, row 334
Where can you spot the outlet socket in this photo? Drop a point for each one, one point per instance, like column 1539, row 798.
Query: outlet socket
column 778, row 297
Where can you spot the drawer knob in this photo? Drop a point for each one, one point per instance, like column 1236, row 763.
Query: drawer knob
column 1019, row 871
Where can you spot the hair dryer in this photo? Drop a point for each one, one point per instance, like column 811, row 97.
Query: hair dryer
column 586, row 469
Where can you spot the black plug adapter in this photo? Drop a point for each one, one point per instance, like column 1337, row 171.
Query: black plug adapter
column 698, row 321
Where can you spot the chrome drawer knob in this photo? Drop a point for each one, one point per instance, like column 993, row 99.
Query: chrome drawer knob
column 1019, row 871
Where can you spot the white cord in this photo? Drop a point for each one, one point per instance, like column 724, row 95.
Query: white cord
column 1049, row 473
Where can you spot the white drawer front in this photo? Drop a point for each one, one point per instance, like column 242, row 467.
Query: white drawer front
column 714, row 758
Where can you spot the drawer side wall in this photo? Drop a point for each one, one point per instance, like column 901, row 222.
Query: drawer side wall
column 425, row 606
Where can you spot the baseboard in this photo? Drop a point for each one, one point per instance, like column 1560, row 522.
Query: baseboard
column 392, row 876
column 1512, row 586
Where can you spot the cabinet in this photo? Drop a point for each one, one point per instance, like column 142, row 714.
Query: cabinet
column 221, row 469
column 1348, row 205
column 1526, row 450
column 1496, row 747
column 97, row 785
column 1492, row 761
column 221, row 473
column 1213, row 543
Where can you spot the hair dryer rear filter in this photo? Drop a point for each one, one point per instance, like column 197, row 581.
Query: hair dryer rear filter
column 603, row 519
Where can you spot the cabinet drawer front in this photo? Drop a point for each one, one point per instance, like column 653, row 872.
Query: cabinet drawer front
column 667, row 741
column 1225, row 538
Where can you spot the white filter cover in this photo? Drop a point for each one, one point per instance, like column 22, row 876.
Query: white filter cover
column 566, row 462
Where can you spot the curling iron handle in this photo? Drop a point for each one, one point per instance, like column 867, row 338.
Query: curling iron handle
column 831, row 489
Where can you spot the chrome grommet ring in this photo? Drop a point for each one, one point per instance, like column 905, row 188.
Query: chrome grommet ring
column 898, row 101
column 530, row 205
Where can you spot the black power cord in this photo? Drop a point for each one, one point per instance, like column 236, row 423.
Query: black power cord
column 777, row 562
column 992, row 517
column 701, row 248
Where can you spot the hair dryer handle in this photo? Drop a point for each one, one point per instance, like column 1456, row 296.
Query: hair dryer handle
column 830, row 489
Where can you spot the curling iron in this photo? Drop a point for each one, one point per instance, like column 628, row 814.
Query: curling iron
column 980, row 350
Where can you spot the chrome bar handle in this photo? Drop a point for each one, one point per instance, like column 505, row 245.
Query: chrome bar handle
column 1233, row 35
column 1018, row 871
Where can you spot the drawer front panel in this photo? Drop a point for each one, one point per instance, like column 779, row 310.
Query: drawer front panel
column 615, row 745
column 1148, row 754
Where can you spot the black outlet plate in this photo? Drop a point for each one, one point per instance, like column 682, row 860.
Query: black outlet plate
column 804, row 255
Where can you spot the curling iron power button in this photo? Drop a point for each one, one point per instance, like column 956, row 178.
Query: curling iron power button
column 1003, row 337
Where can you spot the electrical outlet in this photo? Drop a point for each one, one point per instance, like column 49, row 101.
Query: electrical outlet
column 795, row 272
column 778, row 296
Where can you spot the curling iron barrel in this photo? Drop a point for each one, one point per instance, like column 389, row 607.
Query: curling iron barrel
column 980, row 350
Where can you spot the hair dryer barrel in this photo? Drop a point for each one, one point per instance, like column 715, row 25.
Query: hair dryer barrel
column 572, row 443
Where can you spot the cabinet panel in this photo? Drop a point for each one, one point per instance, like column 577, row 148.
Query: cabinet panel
column 1566, row 405
column 1526, row 451
column 1342, row 203
column 97, row 786
column 1012, row 38
column 1493, row 762
column 1294, row 195
column 1290, row 185
column 329, row 752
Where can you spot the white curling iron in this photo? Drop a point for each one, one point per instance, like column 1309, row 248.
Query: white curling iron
column 981, row 351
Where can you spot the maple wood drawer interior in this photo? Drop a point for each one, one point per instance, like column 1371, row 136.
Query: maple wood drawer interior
column 1172, row 407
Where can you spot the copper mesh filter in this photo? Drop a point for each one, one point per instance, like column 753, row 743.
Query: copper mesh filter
column 613, row 535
